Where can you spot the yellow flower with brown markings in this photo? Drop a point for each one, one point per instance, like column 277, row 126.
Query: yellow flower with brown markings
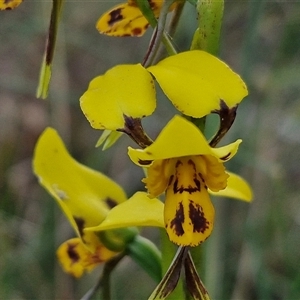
column 91, row 201
column 183, row 165
column 126, row 19
column 196, row 82
column 9, row 4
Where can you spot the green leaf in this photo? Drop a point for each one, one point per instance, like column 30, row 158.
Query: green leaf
column 108, row 139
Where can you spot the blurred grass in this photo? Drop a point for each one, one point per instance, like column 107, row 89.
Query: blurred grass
column 254, row 251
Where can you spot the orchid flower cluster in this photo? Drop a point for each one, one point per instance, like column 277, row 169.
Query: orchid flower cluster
column 183, row 168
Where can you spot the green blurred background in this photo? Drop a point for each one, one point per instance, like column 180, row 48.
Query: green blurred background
column 254, row 252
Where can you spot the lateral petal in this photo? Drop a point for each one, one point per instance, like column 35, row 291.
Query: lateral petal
column 84, row 195
column 196, row 82
column 123, row 90
column 237, row 188
column 139, row 210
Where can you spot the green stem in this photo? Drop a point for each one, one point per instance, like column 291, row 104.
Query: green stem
column 159, row 35
column 104, row 280
column 158, row 32
column 207, row 36
column 175, row 18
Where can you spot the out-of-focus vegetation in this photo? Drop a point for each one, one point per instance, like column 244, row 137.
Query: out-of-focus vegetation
column 254, row 250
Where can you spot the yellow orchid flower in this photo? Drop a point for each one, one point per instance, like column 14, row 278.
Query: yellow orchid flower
column 75, row 258
column 9, row 4
column 126, row 19
column 196, row 82
column 88, row 199
column 183, row 165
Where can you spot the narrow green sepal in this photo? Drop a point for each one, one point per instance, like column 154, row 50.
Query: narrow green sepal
column 118, row 239
column 44, row 80
column 108, row 139
column 46, row 68
column 146, row 255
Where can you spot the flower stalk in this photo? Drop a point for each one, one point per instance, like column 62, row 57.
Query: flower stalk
column 46, row 67
column 207, row 35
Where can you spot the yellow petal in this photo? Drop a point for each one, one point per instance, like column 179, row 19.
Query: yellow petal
column 75, row 258
column 123, row 90
column 84, row 195
column 196, row 82
column 214, row 175
column 9, row 4
column 189, row 213
column 139, row 210
column 157, row 177
column 122, row 20
column 236, row 188
column 180, row 138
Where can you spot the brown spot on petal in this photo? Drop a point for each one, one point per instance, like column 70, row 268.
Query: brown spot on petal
column 115, row 16
column 145, row 162
column 197, row 217
column 73, row 255
column 80, row 224
column 198, row 184
column 190, row 162
column 177, row 222
column 178, row 163
column 137, row 31
column 111, row 202
column 226, row 156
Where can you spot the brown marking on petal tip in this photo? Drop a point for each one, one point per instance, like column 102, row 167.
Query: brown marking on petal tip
column 137, row 31
column 115, row 16
column 226, row 156
column 223, row 105
column 197, row 217
column 111, row 202
column 73, row 255
column 145, row 162
column 176, row 223
column 80, row 224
